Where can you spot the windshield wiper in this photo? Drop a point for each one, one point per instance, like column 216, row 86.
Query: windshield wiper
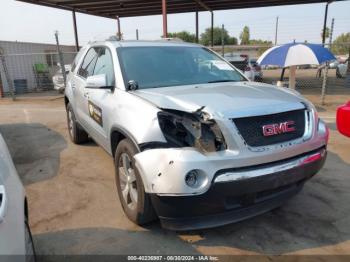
column 222, row 80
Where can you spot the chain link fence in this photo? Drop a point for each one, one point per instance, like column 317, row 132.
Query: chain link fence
column 34, row 72
column 31, row 72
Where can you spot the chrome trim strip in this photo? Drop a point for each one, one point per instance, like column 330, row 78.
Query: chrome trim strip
column 236, row 176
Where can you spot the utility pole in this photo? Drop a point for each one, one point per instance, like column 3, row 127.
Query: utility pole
column 60, row 56
column 137, row 34
column 276, row 33
column 223, row 39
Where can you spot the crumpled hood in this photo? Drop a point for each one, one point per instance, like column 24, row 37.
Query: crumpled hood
column 224, row 100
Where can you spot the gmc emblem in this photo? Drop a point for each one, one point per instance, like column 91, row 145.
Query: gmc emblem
column 276, row 129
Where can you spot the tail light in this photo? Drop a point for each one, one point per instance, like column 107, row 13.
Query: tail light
column 257, row 68
column 247, row 68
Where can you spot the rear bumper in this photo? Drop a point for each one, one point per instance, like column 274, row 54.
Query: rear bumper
column 235, row 200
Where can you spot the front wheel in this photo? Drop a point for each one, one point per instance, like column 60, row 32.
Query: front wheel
column 135, row 201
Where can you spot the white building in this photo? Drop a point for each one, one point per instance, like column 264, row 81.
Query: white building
column 31, row 65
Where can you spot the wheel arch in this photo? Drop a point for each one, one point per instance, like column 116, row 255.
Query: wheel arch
column 117, row 135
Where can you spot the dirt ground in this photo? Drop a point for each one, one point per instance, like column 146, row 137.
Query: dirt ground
column 74, row 207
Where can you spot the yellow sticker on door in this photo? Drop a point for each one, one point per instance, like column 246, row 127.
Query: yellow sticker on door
column 95, row 113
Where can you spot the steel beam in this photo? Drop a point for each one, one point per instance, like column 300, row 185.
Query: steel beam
column 75, row 31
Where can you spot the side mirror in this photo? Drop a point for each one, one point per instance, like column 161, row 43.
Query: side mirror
column 133, row 85
column 97, row 82
column 343, row 119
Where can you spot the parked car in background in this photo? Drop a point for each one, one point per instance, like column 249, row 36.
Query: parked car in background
column 194, row 142
column 342, row 70
column 58, row 80
column 15, row 235
column 334, row 64
column 248, row 66
column 343, row 119
column 253, row 70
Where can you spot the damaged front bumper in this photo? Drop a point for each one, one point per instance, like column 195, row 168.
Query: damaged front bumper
column 231, row 195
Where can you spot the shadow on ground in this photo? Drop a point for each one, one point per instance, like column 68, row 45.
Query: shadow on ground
column 319, row 216
column 35, row 150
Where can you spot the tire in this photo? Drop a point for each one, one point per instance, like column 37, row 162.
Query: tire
column 76, row 133
column 135, row 202
column 29, row 244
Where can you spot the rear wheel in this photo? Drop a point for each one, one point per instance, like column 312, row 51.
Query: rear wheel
column 135, row 201
column 76, row 133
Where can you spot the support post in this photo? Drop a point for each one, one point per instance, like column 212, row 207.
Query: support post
column 119, row 33
column 325, row 25
column 212, row 29
column 75, row 31
column 197, row 30
column 165, row 19
column 222, row 40
column 325, row 73
column 292, row 73
column 276, row 33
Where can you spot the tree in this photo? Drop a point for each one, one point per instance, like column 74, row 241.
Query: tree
column 327, row 33
column 341, row 44
column 206, row 37
column 263, row 45
column 183, row 35
column 245, row 36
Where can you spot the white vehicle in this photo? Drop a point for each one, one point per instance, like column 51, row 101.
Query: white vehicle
column 15, row 236
column 58, row 80
column 342, row 70
column 248, row 67
column 194, row 142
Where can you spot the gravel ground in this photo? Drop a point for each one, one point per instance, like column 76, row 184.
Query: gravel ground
column 74, row 207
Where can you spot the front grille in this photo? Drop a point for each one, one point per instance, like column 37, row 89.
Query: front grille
column 251, row 128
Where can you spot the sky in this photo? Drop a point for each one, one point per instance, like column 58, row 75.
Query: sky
column 30, row 23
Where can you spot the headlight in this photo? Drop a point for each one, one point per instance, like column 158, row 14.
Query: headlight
column 183, row 129
column 323, row 129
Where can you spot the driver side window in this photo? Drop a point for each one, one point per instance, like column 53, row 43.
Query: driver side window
column 104, row 65
column 87, row 67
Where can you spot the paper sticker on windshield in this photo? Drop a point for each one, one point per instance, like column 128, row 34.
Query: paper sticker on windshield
column 221, row 65
column 95, row 113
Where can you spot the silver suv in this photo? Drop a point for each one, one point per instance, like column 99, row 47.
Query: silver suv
column 194, row 142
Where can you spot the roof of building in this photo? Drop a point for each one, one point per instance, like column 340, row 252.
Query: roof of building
column 129, row 8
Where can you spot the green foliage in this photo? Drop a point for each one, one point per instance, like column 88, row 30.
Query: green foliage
column 206, row 37
column 184, row 35
column 341, row 44
column 245, row 36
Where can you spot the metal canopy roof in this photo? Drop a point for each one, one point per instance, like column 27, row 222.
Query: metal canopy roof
column 129, row 8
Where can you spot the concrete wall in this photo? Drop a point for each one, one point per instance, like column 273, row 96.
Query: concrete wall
column 21, row 57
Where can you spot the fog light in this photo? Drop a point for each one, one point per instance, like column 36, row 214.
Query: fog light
column 191, row 178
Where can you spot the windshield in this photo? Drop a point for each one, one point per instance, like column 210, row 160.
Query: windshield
column 153, row 67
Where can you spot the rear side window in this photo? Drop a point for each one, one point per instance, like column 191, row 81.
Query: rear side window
column 87, row 67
